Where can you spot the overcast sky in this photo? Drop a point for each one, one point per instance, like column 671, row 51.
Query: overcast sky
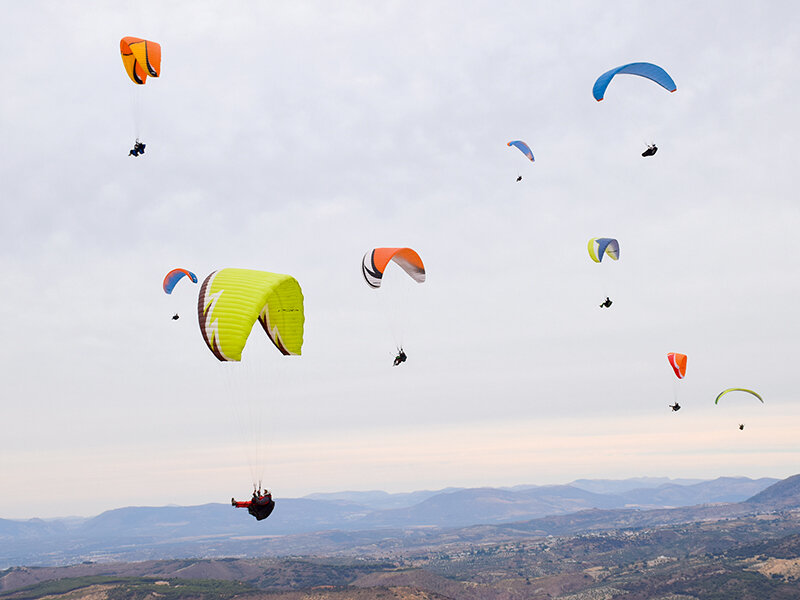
column 294, row 137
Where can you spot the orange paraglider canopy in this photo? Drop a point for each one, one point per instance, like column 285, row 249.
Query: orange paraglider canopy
column 375, row 261
column 141, row 58
column 678, row 364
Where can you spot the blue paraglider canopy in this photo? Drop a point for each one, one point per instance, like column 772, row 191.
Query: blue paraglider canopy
column 642, row 69
column 523, row 147
column 173, row 277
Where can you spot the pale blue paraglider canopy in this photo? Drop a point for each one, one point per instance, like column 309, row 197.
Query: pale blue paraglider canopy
column 523, row 147
column 642, row 69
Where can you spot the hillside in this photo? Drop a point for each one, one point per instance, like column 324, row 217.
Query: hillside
column 783, row 494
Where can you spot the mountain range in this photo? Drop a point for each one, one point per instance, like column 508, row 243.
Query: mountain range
column 351, row 519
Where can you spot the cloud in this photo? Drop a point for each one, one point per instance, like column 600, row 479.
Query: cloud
column 293, row 139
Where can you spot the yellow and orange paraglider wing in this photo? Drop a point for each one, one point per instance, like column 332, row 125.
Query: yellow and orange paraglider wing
column 375, row 262
column 140, row 58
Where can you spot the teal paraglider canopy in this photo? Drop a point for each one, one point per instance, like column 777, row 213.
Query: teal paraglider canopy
column 642, row 69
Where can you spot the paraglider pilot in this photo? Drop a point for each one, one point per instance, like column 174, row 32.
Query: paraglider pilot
column 400, row 358
column 260, row 505
column 651, row 150
column 741, row 426
column 138, row 148
column 675, row 407
column 175, row 317
column 519, row 178
column 607, row 303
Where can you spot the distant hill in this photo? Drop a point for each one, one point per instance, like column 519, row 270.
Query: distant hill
column 723, row 489
column 32, row 528
column 379, row 500
column 620, row 486
column 489, row 505
column 783, row 494
column 296, row 515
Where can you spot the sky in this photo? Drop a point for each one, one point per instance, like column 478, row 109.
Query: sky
column 293, row 138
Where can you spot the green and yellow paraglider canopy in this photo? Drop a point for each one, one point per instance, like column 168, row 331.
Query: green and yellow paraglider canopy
column 232, row 300
column 729, row 390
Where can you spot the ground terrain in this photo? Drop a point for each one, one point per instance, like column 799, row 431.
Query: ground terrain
column 754, row 557
column 748, row 550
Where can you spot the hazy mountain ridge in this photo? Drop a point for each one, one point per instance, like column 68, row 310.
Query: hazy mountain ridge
column 380, row 500
column 305, row 525
column 723, row 489
column 619, row 486
column 490, row 505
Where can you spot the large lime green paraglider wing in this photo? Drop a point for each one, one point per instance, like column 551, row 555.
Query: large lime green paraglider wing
column 722, row 393
column 230, row 302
